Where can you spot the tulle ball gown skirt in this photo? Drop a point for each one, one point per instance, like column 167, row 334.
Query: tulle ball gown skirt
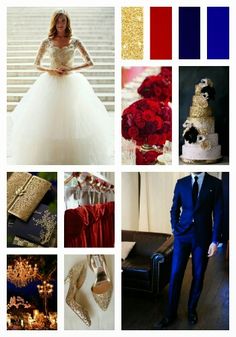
column 61, row 121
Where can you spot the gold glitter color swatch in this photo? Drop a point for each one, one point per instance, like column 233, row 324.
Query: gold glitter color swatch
column 132, row 33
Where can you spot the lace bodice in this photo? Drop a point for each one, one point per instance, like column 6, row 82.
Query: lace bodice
column 61, row 56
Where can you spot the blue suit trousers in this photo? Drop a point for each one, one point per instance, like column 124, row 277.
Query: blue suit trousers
column 184, row 245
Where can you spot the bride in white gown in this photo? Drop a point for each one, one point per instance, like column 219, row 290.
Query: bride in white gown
column 61, row 120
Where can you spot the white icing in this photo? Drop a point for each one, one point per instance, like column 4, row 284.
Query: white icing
column 195, row 152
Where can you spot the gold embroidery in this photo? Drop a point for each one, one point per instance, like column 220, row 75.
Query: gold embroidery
column 41, row 51
column 16, row 181
column 24, row 243
column 62, row 56
column 21, row 204
column 84, row 53
column 48, row 224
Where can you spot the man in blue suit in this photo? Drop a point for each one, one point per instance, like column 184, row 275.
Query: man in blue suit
column 196, row 217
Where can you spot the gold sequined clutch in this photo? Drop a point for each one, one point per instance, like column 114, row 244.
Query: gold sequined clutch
column 24, row 193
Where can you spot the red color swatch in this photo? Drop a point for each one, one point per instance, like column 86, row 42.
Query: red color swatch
column 161, row 33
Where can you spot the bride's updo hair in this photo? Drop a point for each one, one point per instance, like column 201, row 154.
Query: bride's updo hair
column 53, row 31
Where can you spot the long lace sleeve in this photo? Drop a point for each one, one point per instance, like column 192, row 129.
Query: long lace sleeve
column 84, row 53
column 41, row 51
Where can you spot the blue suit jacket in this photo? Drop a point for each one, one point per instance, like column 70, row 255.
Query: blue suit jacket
column 206, row 217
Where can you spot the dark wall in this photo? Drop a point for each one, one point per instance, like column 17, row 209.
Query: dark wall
column 188, row 77
column 225, row 225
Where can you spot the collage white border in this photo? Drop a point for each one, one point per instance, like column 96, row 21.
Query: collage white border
column 175, row 63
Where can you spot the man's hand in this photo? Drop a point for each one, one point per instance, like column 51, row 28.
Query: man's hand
column 212, row 249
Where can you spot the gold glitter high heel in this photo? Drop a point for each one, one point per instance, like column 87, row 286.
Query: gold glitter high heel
column 76, row 277
column 102, row 287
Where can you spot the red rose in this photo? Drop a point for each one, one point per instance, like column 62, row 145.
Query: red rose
column 152, row 139
column 166, row 126
column 165, row 111
column 145, row 88
column 133, row 132
column 140, row 140
column 146, row 117
column 153, row 105
column 167, row 72
column 125, row 128
column 158, row 87
column 169, row 136
column 140, row 123
column 150, row 128
column 159, row 122
column 157, row 90
column 161, row 139
column 149, row 115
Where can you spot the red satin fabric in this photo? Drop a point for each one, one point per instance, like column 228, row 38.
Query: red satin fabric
column 161, row 33
column 90, row 226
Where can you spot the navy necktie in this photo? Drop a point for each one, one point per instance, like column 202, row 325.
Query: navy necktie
column 195, row 190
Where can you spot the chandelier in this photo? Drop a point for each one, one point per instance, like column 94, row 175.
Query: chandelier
column 21, row 272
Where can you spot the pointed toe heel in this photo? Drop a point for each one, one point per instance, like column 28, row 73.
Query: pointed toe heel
column 76, row 277
column 102, row 287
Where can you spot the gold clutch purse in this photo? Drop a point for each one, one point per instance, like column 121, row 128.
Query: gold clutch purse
column 24, row 193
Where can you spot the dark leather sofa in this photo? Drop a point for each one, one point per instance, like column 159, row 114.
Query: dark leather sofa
column 147, row 267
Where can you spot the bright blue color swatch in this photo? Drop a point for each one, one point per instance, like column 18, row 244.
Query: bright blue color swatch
column 217, row 32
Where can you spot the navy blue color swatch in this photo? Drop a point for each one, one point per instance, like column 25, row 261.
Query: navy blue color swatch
column 218, row 32
column 189, row 32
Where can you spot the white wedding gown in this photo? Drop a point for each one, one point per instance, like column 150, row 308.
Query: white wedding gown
column 60, row 120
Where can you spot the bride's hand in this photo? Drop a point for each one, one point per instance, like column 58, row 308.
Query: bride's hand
column 54, row 72
column 65, row 69
column 60, row 71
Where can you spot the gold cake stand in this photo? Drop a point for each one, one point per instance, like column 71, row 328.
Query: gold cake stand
column 201, row 162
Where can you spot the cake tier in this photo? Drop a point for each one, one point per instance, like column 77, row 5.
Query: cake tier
column 199, row 101
column 196, row 152
column 204, row 125
column 196, row 111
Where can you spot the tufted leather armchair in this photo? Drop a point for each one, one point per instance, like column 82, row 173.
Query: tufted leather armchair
column 148, row 266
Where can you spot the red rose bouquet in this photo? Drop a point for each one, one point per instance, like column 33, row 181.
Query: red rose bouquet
column 157, row 86
column 148, row 120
